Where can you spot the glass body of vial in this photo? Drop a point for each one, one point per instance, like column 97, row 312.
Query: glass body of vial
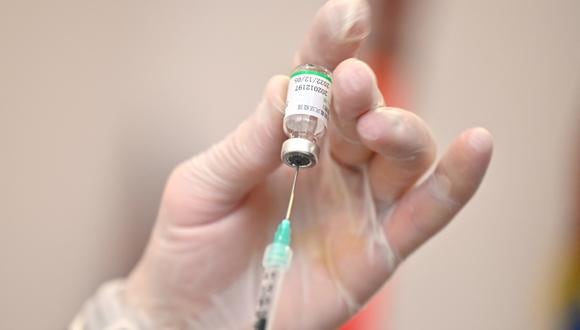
column 306, row 114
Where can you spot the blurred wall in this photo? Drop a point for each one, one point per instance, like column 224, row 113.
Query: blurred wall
column 99, row 100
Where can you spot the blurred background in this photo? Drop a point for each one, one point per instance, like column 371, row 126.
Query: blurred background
column 100, row 99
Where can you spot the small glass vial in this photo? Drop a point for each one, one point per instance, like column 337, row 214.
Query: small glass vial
column 306, row 114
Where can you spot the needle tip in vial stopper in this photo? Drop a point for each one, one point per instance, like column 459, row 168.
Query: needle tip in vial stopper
column 300, row 152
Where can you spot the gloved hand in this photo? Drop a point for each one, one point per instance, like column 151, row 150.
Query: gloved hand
column 357, row 215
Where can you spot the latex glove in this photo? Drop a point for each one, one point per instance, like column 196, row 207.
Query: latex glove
column 357, row 214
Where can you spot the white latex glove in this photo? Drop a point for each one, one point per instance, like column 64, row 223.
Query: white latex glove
column 358, row 213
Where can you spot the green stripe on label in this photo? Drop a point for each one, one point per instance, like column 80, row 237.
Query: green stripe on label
column 316, row 73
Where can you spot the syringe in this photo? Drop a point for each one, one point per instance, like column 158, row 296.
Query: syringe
column 276, row 261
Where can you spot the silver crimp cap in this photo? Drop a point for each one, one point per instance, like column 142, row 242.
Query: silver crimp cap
column 299, row 152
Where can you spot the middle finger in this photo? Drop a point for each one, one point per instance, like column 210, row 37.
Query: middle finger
column 404, row 149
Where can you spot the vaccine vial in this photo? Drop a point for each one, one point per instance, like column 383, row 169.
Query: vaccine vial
column 306, row 114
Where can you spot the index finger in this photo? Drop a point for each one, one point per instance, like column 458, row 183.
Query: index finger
column 336, row 34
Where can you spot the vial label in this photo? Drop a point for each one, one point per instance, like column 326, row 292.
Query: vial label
column 309, row 94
